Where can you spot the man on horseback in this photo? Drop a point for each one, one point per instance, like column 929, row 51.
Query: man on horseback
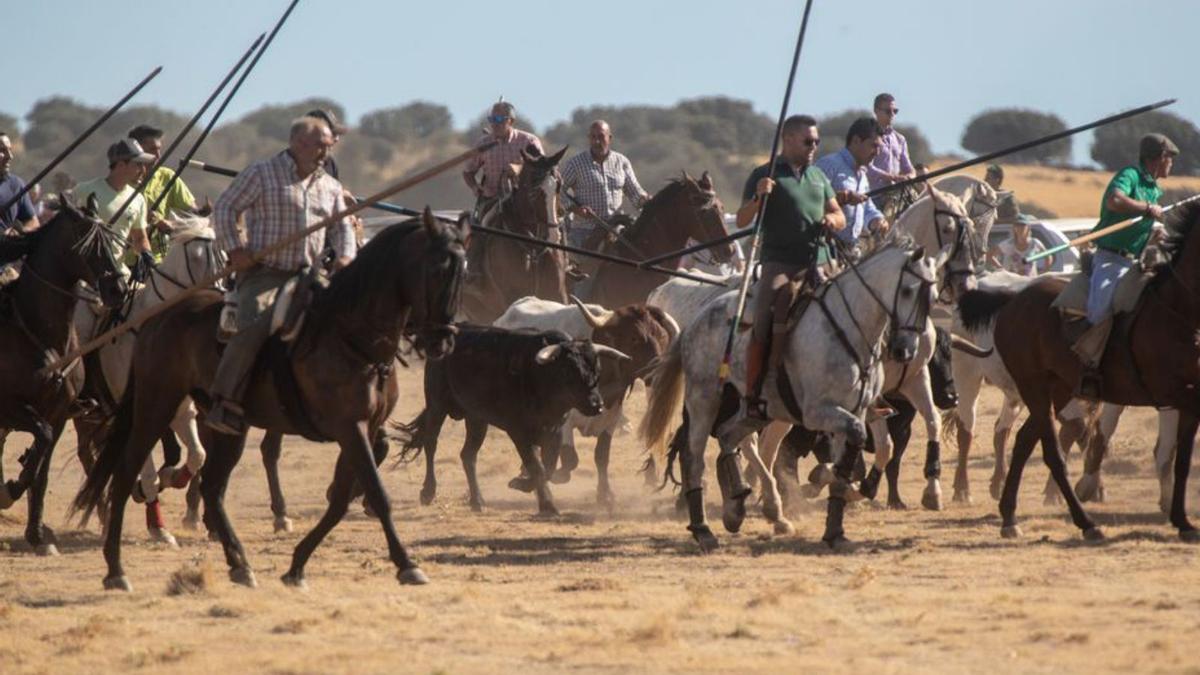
column 278, row 197
column 847, row 171
column 792, row 225
column 892, row 164
column 179, row 199
column 21, row 216
column 127, row 163
column 600, row 179
column 1134, row 190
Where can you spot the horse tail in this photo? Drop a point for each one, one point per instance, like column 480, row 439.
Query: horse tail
column 666, row 395
column 978, row 308
column 92, row 494
column 412, row 437
column 950, row 426
column 678, row 445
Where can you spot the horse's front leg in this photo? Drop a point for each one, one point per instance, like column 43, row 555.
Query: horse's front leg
column 1090, row 486
column 271, row 449
column 39, row 536
column 919, row 391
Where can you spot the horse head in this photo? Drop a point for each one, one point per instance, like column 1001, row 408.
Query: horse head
column 438, row 283
column 192, row 255
column 538, row 184
column 83, row 249
column 912, row 298
column 939, row 222
column 699, row 210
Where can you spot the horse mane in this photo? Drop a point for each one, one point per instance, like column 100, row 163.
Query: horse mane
column 16, row 247
column 361, row 279
column 656, row 200
column 978, row 308
column 1177, row 234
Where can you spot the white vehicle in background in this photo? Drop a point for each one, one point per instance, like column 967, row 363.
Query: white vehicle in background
column 1051, row 232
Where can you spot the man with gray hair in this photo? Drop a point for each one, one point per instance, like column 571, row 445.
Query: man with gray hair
column 600, row 179
column 278, row 197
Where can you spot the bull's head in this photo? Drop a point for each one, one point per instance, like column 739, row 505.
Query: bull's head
column 575, row 364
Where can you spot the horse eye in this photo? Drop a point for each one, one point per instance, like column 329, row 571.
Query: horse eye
column 907, row 292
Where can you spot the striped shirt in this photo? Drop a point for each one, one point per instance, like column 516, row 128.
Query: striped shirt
column 495, row 161
column 601, row 186
column 277, row 203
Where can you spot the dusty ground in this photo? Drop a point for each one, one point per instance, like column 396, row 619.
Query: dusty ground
column 616, row 592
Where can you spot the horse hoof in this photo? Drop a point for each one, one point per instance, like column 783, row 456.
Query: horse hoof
column 477, row 507
column 1011, row 532
column 606, row 499
column 412, row 576
column 1191, row 536
column 836, row 542
column 1087, row 488
column 811, row 491
column 560, row 476
column 243, row 576
column 294, row 580
column 522, row 484
column 368, row 511
column 784, row 528
column 821, row 475
column 6, row 500
column 897, row 504
column 931, row 500
column 733, row 514
column 47, row 550
column 213, row 536
column 120, row 583
column 962, row 497
column 191, row 521
column 283, row 524
column 160, row 536
column 1093, row 534
column 706, row 539
column 548, row 512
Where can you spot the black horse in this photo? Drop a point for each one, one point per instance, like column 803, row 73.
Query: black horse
column 37, row 327
column 405, row 282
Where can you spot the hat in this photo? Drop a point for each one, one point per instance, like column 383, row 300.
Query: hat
column 329, row 118
column 128, row 150
column 995, row 169
column 1024, row 219
column 1154, row 145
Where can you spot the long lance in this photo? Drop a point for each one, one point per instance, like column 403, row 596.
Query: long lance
column 1049, row 138
column 207, row 283
column 1115, row 227
column 608, row 227
column 166, row 154
column 183, row 163
column 940, row 172
column 726, row 360
column 82, row 137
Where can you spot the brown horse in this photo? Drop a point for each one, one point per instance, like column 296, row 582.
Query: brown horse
column 36, row 327
column 511, row 269
column 1152, row 359
column 685, row 208
column 405, row 282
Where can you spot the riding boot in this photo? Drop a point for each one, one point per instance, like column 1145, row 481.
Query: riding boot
column 756, row 360
column 232, row 376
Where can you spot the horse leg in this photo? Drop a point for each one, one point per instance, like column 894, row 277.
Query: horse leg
column 224, row 455
column 772, row 502
column 1027, row 435
column 1185, row 440
column 1057, row 464
column 185, row 428
column 29, row 420
column 900, row 429
column 40, row 536
column 880, row 441
column 155, row 523
column 693, row 477
column 172, row 451
column 968, row 380
column 839, row 491
column 1164, row 453
column 133, row 456
column 1091, row 485
column 769, row 442
column 339, row 494
column 431, row 429
column 476, row 432
column 1072, row 427
column 1009, row 410
column 604, row 491
column 271, row 449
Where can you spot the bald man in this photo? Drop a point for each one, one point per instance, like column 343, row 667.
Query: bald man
column 600, row 179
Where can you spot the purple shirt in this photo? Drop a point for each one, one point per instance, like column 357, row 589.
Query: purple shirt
column 892, row 158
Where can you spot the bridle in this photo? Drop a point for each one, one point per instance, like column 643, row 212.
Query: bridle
column 962, row 241
column 210, row 259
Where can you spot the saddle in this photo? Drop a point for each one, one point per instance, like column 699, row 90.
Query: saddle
column 1072, row 300
column 293, row 300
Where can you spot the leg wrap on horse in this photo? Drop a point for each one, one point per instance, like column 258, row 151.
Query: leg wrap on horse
column 729, row 476
column 695, row 507
column 933, row 460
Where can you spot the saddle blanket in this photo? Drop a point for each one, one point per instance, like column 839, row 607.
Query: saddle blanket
column 1072, row 301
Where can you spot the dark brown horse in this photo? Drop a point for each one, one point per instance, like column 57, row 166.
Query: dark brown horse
column 36, row 327
column 685, row 208
column 405, row 282
column 1152, row 359
column 512, row 269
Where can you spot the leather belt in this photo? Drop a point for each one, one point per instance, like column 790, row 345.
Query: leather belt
column 1124, row 254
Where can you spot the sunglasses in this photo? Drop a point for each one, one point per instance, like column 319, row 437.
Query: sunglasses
column 498, row 119
column 894, row 111
column 812, row 142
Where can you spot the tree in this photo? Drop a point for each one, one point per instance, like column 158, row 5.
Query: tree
column 999, row 128
column 834, row 127
column 8, row 124
column 275, row 121
column 1116, row 145
column 417, row 121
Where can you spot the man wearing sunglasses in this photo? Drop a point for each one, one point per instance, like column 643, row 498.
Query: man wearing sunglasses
column 793, row 222
column 496, row 162
column 892, row 164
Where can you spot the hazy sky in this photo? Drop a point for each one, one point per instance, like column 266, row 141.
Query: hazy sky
column 945, row 60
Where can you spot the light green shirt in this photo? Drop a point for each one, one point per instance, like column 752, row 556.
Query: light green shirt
column 178, row 199
column 109, row 201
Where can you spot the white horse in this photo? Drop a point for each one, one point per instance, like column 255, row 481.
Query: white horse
column 981, row 201
column 190, row 259
column 830, row 370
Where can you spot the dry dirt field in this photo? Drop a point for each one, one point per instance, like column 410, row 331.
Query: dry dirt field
column 619, row 592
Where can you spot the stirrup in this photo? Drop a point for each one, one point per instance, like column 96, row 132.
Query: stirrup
column 225, row 418
column 756, row 408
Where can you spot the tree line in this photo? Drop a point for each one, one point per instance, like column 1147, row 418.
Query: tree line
column 721, row 135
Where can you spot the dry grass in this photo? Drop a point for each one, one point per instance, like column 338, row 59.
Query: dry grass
column 600, row 591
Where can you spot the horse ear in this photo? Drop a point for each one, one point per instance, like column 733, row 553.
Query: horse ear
column 92, row 207
column 705, row 182
column 557, row 157
column 464, row 226
column 432, row 225
column 687, row 178
column 918, row 254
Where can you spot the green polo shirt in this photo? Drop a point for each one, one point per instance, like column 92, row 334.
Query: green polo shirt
column 178, row 199
column 1136, row 183
column 791, row 224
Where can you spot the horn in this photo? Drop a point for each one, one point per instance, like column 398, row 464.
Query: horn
column 547, row 354
column 604, row 350
column 967, row 347
column 593, row 320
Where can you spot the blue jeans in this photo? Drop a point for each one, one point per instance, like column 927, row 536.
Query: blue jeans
column 1107, row 270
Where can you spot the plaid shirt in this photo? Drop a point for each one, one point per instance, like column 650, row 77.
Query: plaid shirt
column 601, row 186
column 277, row 203
column 495, row 161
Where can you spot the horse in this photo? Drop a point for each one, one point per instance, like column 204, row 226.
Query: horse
column 404, row 284
column 35, row 329
column 982, row 203
column 829, row 373
column 685, row 208
column 191, row 258
column 1160, row 330
column 512, row 269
